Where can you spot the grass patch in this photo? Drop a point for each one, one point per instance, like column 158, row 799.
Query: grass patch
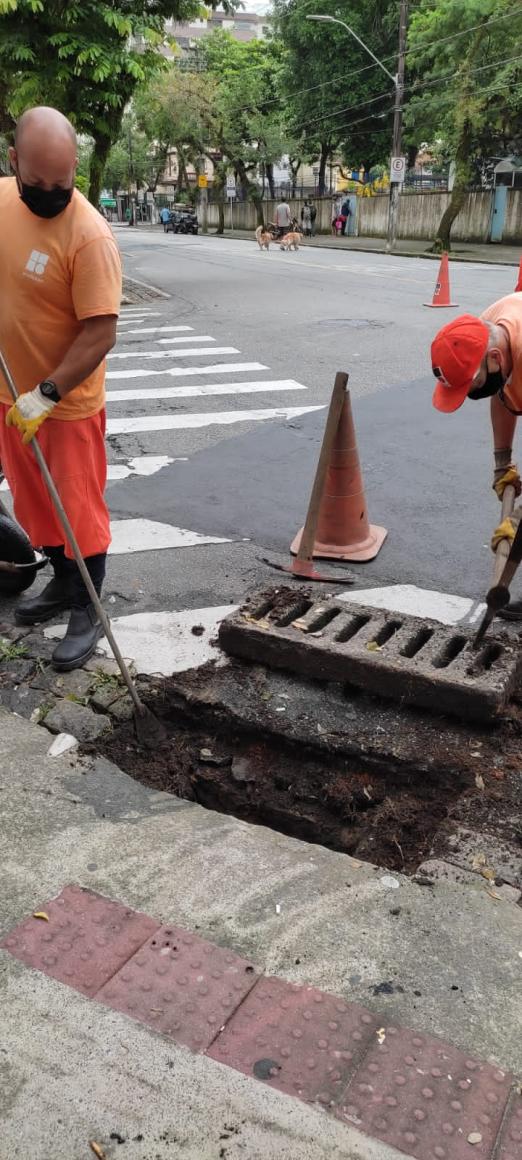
column 10, row 651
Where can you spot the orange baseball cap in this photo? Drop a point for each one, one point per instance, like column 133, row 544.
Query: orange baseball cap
column 456, row 354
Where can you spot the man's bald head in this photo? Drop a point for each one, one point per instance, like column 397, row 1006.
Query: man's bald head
column 45, row 149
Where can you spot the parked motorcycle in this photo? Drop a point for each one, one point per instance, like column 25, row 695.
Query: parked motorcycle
column 182, row 221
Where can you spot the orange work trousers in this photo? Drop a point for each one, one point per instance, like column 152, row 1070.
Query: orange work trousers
column 75, row 453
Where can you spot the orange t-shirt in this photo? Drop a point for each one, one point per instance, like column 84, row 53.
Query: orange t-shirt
column 507, row 312
column 54, row 273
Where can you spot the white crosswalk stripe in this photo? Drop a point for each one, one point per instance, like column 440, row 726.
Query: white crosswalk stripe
column 182, row 372
column 154, row 329
column 125, row 426
column 190, row 352
column 201, row 391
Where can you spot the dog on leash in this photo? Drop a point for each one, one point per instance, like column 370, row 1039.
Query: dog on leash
column 263, row 238
column 290, row 241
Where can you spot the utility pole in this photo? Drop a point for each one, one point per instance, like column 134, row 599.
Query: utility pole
column 395, row 186
column 132, row 204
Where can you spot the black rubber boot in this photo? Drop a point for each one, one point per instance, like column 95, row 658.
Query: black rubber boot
column 513, row 611
column 83, row 633
column 57, row 595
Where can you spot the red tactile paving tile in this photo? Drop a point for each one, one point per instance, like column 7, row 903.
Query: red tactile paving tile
column 426, row 1098
column 181, row 985
column 298, row 1039
column 86, row 939
column 511, row 1139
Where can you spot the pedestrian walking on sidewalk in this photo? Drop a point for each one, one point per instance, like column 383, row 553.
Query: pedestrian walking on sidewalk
column 481, row 358
column 60, row 295
column 283, row 218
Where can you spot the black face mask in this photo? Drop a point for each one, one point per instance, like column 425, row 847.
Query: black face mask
column 493, row 384
column 45, row 203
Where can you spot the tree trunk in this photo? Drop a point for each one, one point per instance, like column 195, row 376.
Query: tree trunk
column 159, row 168
column 442, row 242
column 182, row 182
column 323, row 161
column 100, row 152
column 270, row 178
column 243, row 178
column 464, row 145
column 295, row 165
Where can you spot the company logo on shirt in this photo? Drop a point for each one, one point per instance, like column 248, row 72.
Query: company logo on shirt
column 37, row 262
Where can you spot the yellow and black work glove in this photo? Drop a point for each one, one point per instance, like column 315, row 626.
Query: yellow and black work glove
column 506, row 473
column 507, row 529
column 29, row 412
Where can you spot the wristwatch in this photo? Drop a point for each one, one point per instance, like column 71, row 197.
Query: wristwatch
column 49, row 390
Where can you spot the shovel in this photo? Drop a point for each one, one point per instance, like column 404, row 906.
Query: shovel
column 149, row 731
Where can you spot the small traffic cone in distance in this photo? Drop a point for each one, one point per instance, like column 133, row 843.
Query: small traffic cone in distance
column 441, row 295
column 343, row 529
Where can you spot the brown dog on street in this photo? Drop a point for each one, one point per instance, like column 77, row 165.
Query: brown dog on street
column 263, row 238
column 291, row 240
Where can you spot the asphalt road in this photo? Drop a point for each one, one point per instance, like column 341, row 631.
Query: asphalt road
column 302, row 316
column 219, row 439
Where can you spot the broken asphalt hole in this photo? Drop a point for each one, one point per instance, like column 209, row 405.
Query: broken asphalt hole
column 382, row 815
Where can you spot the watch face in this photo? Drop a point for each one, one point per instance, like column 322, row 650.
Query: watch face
column 49, row 391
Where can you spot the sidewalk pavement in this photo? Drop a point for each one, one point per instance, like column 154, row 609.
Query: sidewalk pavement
column 443, row 959
column 405, row 248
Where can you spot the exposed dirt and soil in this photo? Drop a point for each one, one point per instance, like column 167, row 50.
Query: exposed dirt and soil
column 381, row 811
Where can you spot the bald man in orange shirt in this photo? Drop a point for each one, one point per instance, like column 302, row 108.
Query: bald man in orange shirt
column 60, row 295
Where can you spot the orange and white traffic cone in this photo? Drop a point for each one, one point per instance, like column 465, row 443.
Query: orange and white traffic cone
column 441, row 295
column 343, row 530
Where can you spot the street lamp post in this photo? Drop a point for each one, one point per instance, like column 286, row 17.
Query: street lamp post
column 398, row 84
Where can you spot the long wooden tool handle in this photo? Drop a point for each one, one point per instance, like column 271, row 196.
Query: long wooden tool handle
column 70, row 536
column 513, row 560
column 306, row 546
column 502, row 552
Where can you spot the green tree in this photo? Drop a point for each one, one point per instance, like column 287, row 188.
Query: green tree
column 176, row 112
column 467, row 89
column 334, row 96
column 86, row 57
column 249, row 128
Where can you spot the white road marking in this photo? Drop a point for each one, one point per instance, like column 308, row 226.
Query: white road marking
column 181, row 372
column 131, row 312
column 193, row 338
column 128, row 426
column 423, row 602
column 142, row 465
column 163, row 642
column 142, row 535
column 153, row 329
column 200, row 391
column 190, row 353
column 139, row 465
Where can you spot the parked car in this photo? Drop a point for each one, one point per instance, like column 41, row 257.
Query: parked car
column 183, row 220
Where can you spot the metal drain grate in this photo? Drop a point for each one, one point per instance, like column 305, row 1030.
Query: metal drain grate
column 416, row 661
